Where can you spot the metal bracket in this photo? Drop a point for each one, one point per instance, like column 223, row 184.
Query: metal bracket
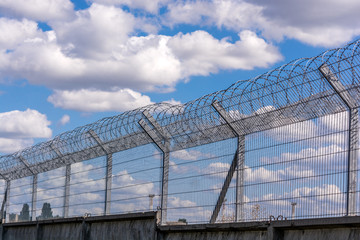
column 99, row 142
column 26, row 164
column 61, row 156
column 226, row 116
column 338, row 87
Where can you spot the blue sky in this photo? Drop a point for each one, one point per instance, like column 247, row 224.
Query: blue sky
column 66, row 63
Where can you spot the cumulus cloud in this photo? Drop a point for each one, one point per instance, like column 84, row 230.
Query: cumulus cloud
column 38, row 10
column 64, row 120
column 216, row 169
column 318, row 23
column 103, row 56
column 96, row 31
column 236, row 15
column 201, row 53
column 8, row 145
column 19, row 128
column 149, row 6
column 332, row 128
column 190, row 155
column 24, row 124
column 15, row 32
column 332, row 157
column 98, row 101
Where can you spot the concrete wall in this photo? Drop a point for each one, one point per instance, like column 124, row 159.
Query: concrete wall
column 347, row 228
column 144, row 226
column 126, row 226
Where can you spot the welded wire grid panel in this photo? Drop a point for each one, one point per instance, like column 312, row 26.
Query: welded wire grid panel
column 358, row 177
column 196, row 177
column 136, row 180
column 20, row 198
column 298, row 170
column 50, row 194
column 87, row 187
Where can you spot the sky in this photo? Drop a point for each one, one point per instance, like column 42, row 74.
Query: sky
column 64, row 64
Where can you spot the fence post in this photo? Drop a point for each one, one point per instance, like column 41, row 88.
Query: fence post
column 108, row 183
column 108, row 177
column 163, row 143
column 240, row 164
column 353, row 136
column 7, row 206
column 34, row 197
column 67, row 190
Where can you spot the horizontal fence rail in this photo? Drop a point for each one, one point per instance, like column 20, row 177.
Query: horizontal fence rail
column 283, row 145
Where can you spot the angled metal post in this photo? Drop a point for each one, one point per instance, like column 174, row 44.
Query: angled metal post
column 34, row 197
column 238, row 164
column 26, row 164
column 353, row 138
column 108, row 177
column 163, row 143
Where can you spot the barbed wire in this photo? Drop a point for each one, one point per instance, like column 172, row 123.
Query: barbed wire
column 288, row 94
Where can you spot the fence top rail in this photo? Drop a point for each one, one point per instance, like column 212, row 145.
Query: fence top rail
column 291, row 93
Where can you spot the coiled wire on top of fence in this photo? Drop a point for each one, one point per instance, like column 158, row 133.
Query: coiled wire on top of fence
column 288, row 94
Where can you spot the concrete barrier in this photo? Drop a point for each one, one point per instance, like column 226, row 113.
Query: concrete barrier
column 144, row 226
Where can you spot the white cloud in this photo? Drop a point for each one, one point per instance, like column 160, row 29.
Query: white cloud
column 176, row 202
column 97, row 101
column 330, row 129
column 173, row 102
column 149, row 6
column 190, row 155
column 260, row 174
column 15, row 32
column 318, row 23
column 331, row 157
column 202, row 54
column 8, row 145
column 95, row 32
column 181, row 169
column 216, row 169
column 236, row 15
column 38, row 10
column 91, row 52
column 24, row 124
column 64, row 120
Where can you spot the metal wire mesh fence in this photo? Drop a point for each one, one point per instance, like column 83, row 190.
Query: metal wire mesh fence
column 282, row 145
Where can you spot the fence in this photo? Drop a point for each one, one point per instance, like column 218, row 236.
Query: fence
column 281, row 145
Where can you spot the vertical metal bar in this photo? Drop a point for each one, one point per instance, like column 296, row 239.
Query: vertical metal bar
column 108, row 184
column 164, row 188
column 67, row 190
column 7, row 209
column 34, row 197
column 240, row 171
column 352, row 162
